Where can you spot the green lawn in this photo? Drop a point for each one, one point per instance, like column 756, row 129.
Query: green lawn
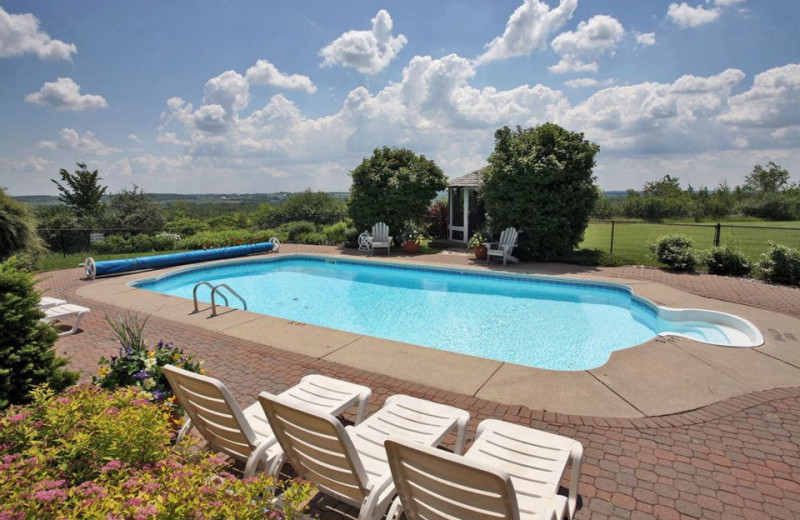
column 631, row 239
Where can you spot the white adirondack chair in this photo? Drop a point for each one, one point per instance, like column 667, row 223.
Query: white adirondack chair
column 381, row 238
column 503, row 248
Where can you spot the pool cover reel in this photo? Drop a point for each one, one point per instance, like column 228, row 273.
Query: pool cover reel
column 94, row 269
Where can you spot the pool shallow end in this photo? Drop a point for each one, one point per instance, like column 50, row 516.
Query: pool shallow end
column 738, row 331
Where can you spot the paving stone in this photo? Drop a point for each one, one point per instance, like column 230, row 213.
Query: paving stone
column 735, row 459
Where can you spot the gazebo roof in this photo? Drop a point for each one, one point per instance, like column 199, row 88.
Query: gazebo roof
column 470, row 180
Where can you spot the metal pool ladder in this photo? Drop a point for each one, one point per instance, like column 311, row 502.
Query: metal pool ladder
column 215, row 289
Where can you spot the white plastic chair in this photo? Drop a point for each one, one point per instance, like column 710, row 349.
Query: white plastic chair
column 65, row 310
column 381, row 238
column 503, row 248
column 46, row 302
column 350, row 463
column 510, row 472
column 245, row 434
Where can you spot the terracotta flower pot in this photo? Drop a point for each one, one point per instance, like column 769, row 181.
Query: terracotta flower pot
column 480, row 252
column 411, row 247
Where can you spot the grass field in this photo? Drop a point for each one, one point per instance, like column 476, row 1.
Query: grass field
column 631, row 238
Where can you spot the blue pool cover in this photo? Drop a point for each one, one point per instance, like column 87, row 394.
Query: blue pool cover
column 125, row 265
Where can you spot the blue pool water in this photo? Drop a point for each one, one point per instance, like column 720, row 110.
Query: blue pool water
column 543, row 322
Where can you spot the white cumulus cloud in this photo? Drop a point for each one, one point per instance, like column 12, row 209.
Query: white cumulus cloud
column 369, row 52
column 685, row 16
column 728, row 3
column 528, row 29
column 20, row 34
column 588, row 82
column 646, row 39
column 70, row 139
column 591, row 40
column 265, row 73
column 65, row 94
column 772, row 102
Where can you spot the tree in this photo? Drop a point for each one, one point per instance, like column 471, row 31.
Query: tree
column 18, row 231
column 317, row 207
column 27, row 357
column 134, row 211
column 771, row 179
column 540, row 181
column 394, row 186
column 82, row 192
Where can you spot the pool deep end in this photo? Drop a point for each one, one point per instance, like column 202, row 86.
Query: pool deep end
column 543, row 321
column 94, row 269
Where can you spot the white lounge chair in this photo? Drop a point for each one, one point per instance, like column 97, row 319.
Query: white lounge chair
column 510, row 472
column 245, row 434
column 65, row 310
column 350, row 463
column 381, row 238
column 45, row 302
column 503, row 248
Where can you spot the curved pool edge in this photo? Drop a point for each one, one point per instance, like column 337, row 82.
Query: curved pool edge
column 663, row 376
column 740, row 332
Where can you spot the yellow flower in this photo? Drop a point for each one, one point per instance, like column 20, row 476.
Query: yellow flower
column 176, row 357
column 151, row 354
column 172, row 399
column 104, row 371
column 203, row 371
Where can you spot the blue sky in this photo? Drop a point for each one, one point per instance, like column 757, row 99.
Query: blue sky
column 257, row 96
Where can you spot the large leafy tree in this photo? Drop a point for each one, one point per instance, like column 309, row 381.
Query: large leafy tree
column 134, row 211
column 540, row 181
column 18, row 231
column 395, row 185
column 317, row 207
column 771, row 179
column 27, row 357
column 81, row 191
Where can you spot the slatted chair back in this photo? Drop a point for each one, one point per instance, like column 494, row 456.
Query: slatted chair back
column 436, row 485
column 508, row 237
column 213, row 411
column 318, row 448
column 380, row 232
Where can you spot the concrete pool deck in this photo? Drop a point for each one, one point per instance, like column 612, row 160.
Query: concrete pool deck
column 661, row 377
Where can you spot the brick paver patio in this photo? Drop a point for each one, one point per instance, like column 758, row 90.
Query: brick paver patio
column 736, row 459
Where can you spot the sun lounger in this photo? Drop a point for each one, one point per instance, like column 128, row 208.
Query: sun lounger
column 510, row 472
column 66, row 310
column 45, row 302
column 245, row 434
column 350, row 463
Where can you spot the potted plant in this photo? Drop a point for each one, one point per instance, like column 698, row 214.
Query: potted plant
column 411, row 237
column 477, row 243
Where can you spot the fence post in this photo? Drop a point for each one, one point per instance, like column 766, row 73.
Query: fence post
column 63, row 243
column 717, row 233
column 611, row 249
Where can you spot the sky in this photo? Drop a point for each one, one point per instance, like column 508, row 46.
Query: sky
column 211, row 96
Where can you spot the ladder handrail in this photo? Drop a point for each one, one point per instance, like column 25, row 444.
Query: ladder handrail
column 214, row 292
column 194, row 294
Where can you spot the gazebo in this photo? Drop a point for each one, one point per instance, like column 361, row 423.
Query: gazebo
column 466, row 210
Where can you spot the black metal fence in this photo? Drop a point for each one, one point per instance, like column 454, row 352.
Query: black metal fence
column 629, row 239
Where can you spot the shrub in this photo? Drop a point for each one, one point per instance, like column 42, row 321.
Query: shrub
column 393, row 186
column 27, row 357
column 436, row 219
column 112, row 244
column 676, row 252
column 351, row 237
column 96, row 454
column 293, row 230
column 539, row 180
column 140, row 366
column 213, row 239
column 726, row 260
column 336, row 233
column 18, row 231
column 781, row 264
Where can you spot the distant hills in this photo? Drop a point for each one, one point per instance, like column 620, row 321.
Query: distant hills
column 190, row 198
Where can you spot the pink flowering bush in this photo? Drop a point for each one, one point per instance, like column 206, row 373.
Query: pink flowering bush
column 90, row 453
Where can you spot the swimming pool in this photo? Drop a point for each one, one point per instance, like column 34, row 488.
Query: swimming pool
column 546, row 322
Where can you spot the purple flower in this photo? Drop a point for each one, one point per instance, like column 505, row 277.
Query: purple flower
column 18, row 417
column 113, row 360
column 145, row 512
column 141, row 375
column 160, row 344
column 158, row 395
column 111, row 465
column 49, row 495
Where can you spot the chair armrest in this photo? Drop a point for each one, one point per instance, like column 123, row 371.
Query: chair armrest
column 490, row 245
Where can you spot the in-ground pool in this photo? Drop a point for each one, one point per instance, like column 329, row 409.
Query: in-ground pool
column 540, row 321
